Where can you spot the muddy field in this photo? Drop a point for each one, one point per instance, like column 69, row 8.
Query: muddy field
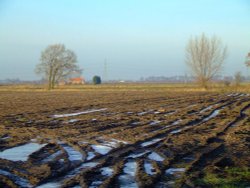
column 124, row 139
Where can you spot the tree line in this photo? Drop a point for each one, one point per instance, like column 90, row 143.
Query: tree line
column 205, row 57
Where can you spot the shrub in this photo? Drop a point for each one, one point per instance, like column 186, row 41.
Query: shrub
column 97, row 80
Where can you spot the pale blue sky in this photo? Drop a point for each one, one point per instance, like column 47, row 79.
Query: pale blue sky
column 138, row 37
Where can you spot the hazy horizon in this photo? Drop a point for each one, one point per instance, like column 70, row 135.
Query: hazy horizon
column 138, row 38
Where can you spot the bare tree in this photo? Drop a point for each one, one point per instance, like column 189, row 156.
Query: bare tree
column 238, row 78
column 205, row 57
column 247, row 62
column 57, row 63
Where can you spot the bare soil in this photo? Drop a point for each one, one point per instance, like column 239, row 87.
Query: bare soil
column 143, row 138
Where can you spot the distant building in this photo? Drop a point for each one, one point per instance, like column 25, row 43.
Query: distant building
column 77, row 80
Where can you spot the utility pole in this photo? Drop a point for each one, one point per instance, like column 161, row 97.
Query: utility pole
column 105, row 71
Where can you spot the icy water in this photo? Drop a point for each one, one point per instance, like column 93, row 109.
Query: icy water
column 78, row 113
column 20, row 153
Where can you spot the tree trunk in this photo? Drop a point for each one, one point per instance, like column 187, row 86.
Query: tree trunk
column 50, row 79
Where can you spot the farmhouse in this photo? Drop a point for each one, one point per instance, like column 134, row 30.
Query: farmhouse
column 77, row 80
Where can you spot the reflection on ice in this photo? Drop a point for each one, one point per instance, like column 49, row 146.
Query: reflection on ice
column 79, row 113
column 20, row 153
column 127, row 179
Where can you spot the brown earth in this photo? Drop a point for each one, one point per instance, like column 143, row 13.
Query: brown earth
column 196, row 132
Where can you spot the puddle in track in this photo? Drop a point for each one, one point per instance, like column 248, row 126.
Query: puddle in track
column 79, row 113
column 175, row 171
column 207, row 108
column 106, row 171
column 127, row 179
column 176, row 131
column 73, row 154
column 214, row 114
column 18, row 180
column 149, row 169
column 52, row 156
column 90, row 155
column 155, row 156
column 154, row 122
column 21, row 153
column 5, row 137
column 95, row 184
column 151, row 142
column 135, row 155
column 101, row 149
column 177, row 122
column 73, row 120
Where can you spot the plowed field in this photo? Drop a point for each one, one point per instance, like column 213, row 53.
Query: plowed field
column 124, row 139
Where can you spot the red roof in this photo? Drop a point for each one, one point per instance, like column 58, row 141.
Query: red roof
column 79, row 79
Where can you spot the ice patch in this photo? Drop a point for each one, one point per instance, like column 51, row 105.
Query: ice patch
column 106, row 171
column 154, row 122
column 52, row 157
column 18, row 180
column 172, row 171
column 95, row 184
column 207, row 108
column 155, row 156
column 5, row 138
column 144, row 144
column 135, row 155
column 149, row 168
column 119, row 141
column 176, row 131
column 20, row 153
column 79, row 113
column 177, row 122
column 72, row 153
column 91, row 155
column 73, row 120
column 214, row 114
column 127, row 180
column 50, row 185
column 101, row 149
column 145, row 112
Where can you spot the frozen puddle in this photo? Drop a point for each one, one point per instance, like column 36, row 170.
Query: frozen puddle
column 154, row 122
column 50, row 185
column 18, row 180
column 79, row 113
column 101, row 149
column 207, row 108
column 175, row 171
column 214, row 114
column 144, row 144
column 107, row 171
column 20, row 153
column 176, row 131
column 95, row 184
column 177, row 122
column 52, row 156
column 135, row 155
column 127, row 179
column 73, row 120
column 72, row 153
column 91, row 155
column 155, row 156
column 5, row 138
column 149, row 168
column 145, row 112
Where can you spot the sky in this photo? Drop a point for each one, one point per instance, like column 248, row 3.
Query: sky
column 138, row 38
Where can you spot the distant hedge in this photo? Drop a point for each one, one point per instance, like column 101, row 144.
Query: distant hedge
column 97, row 80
